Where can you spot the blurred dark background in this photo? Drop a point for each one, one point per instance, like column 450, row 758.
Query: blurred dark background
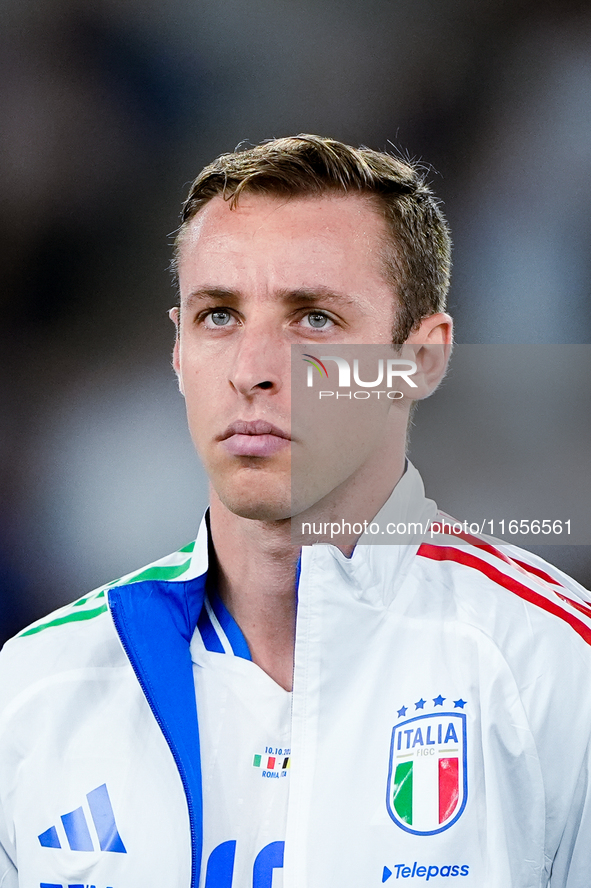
column 108, row 110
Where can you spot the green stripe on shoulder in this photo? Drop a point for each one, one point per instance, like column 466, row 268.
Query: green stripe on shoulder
column 77, row 611
column 188, row 548
column 162, row 572
column 73, row 617
column 87, row 598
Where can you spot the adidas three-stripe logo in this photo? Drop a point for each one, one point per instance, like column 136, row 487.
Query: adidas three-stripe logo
column 76, row 827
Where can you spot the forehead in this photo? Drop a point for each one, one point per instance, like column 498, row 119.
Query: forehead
column 304, row 242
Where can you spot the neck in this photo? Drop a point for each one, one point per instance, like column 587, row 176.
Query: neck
column 256, row 580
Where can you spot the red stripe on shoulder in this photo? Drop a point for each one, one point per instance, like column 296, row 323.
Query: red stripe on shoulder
column 539, row 573
column 448, row 553
column 493, row 550
column 584, row 609
column 473, row 540
column 580, row 607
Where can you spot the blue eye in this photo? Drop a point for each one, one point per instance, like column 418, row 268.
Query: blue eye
column 220, row 318
column 317, row 320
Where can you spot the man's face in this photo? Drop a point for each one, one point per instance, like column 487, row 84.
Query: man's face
column 254, row 281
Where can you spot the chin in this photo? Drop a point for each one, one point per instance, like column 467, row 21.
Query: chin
column 259, row 511
column 257, row 505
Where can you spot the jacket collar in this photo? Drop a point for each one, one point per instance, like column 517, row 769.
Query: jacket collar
column 379, row 562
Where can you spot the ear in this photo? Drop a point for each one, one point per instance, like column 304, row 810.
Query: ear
column 430, row 347
column 174, row 316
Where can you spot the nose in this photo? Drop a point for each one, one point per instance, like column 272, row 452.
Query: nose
column 261, row 362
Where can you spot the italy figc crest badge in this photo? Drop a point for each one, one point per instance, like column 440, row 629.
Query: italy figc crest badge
column 427, row 779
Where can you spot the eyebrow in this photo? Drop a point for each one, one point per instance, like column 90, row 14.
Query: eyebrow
column 223, row 294
column 299, row 296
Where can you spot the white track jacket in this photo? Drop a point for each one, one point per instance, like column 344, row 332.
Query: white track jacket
column 441, row 721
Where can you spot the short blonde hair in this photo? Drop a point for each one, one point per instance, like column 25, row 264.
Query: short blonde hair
column 418, row 253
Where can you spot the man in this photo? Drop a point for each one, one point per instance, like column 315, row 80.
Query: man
column 416, row 685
